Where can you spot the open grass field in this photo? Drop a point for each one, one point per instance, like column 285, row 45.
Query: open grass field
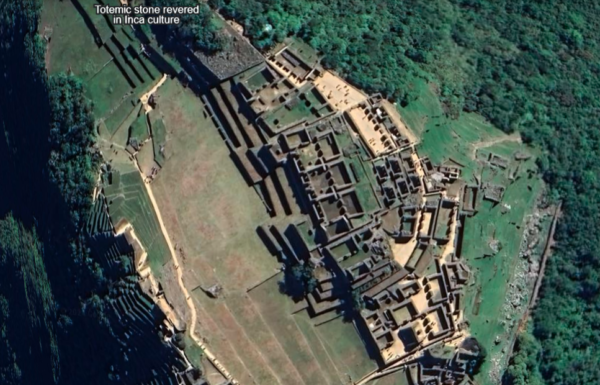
column 121, row 119
column 212, row 216
column 487, row 299
column 107, row 89
column 72, row 44
column 468, row 141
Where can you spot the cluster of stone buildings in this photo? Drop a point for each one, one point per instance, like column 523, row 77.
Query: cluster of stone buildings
column 380, row 227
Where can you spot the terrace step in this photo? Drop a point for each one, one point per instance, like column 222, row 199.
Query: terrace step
column 127, row 72
column 273, row 196
column 225, row 117
column 248, row 130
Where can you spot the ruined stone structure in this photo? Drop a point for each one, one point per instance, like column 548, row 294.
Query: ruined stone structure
column 379, row 226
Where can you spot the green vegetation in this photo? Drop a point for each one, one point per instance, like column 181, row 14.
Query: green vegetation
column 113, row 78
column 298, row 281
column 285, row 115
column 20, row 251
column 81, row 54
column 469, row 140
column 159, row 138
column 107, row 89
column 54, row 293
column 524, row 368
column 72, row 163
column 139, row 130
column 200, row 31
column 121, row 119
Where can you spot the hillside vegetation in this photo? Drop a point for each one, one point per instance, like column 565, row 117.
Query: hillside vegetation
column 199, row 31
column 29, row 307
column 59, row 302
column 530, row 66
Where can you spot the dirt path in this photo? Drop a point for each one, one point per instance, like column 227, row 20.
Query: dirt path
column 192, row 329
column 514, row 137
column 146, row 97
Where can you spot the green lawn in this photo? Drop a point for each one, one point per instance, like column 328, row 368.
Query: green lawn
column 491, row 275
column 159, row 138
column 347, row 350
column 139, row 129
column 107, row 89
column 275, row 309
column 124, row 116
column 72, row 44
column 285, row 115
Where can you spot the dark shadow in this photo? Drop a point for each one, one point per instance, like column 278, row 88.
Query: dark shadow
column 297, row 189
column 88, row 22
column 238, row 163
column 268, row 241
column 296, row 241
column 159, row 62
column 221, row 117
column 244, row 108
column 257, row 163
column 235, row 117
column 283, row 197
column 264, row 191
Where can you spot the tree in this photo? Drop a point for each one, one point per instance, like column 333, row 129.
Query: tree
column 298, row 281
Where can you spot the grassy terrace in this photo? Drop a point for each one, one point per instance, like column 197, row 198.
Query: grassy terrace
column 72, row 47
column 468, row 141
column 128, row 200
column 109, row 81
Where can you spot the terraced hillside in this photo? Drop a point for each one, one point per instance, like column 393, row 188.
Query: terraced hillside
column 117, row 72
column 147, row 337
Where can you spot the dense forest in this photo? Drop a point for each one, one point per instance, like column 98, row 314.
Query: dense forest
column 31, row 303
column 530, row 66
column 198, row 30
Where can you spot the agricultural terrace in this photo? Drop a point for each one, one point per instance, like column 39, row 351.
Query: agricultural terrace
column 132, row 137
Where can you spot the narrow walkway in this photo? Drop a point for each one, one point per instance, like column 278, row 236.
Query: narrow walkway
column 192, row 329
column 514, row 137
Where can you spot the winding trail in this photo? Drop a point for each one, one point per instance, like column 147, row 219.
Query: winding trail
column 192, row 329
column 514, row 137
